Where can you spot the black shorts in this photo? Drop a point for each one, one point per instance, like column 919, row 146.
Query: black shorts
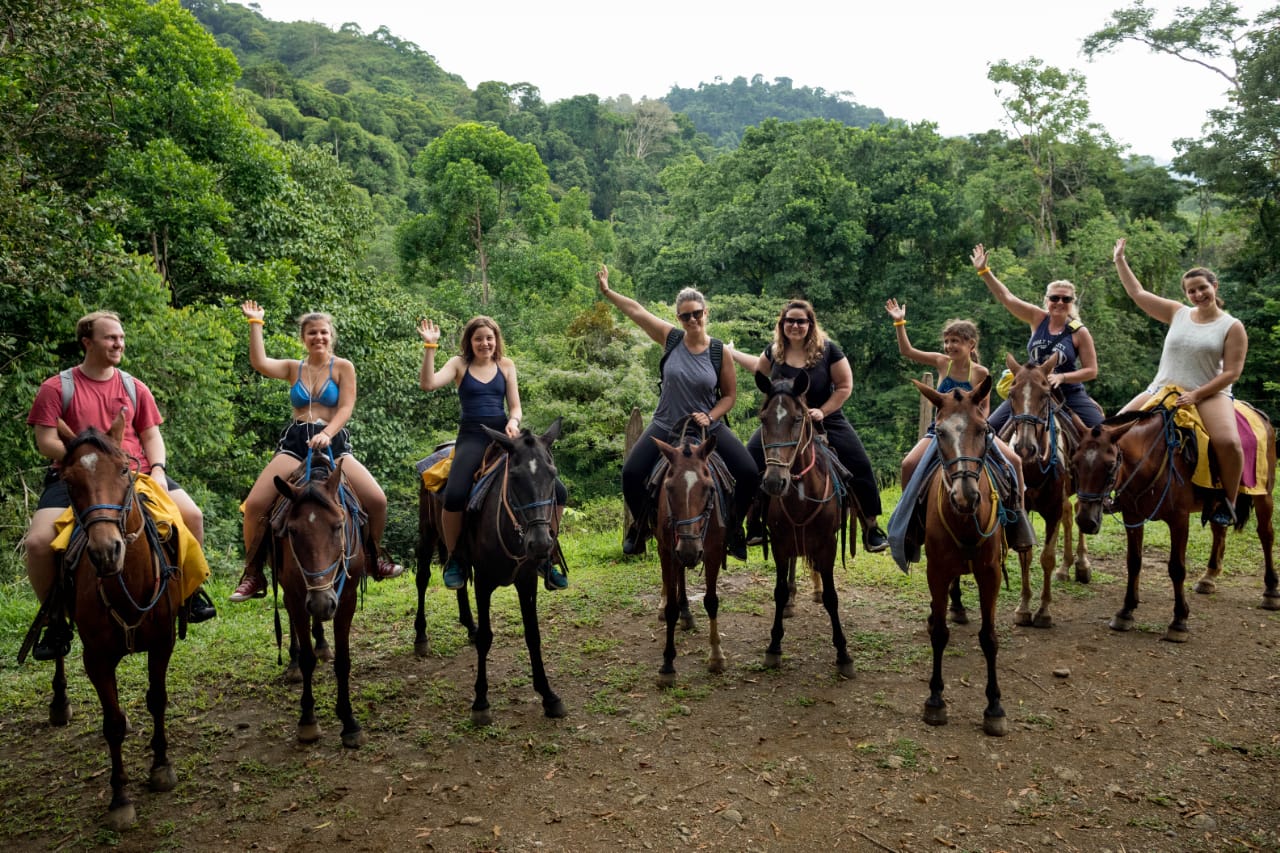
column 55, row 494
column 293, row 441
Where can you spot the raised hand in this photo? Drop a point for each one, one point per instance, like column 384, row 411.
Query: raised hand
column 252, row 310
column 429, row 332
column 896, row 311
column 978, row 257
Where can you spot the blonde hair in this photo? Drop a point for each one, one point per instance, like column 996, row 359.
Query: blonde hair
column 815, row 340
column 965, row 330
column 318, row 317
column 1073, row 308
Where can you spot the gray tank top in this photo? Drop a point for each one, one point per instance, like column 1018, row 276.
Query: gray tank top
column 688, row 385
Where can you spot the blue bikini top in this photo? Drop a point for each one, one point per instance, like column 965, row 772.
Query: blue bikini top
column 300, row 394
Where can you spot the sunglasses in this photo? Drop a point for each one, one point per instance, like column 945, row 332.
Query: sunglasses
column 1058, row 297
column 796, row 321
column 686, row 316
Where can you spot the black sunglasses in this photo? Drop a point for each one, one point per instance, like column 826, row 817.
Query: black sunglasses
column 796, row 321
column 686, row 316
column 1058, row 297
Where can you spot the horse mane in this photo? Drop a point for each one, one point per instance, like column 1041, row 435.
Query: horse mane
column 1126, row 417
column 92, row 436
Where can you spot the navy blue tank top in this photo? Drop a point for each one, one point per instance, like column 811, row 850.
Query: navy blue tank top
column 482, row 401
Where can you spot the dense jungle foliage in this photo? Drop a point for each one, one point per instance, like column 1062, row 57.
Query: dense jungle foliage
column 167, row 161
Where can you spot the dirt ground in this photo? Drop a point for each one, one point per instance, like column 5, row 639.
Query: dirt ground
column 1116, row 742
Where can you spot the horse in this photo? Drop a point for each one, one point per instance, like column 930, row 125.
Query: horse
column 126, row 597
column 805, row 511
column 690, row 529
column 511, row 534
column 963, row 536
column 1041, row 432
column 319, row 559
column 431, row 543
column 1135, row 461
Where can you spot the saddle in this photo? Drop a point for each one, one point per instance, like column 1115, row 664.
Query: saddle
column 720, row 477
column 1252, row 426
column 434, row 469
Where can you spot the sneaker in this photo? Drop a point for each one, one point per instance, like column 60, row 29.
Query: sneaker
column 252, row 585
column 874, row 540
column 385, row 569
column 552, row 578
column 56, row 642
column 200, row 607
column 454, row 577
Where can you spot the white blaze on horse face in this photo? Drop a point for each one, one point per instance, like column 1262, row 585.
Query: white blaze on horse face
column 533, row 467
column 780, row 412
column 690, row 480
column 311, row 519
column 956, row 424
column 89, row 462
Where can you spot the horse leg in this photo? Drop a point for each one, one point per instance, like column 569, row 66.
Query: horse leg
column 959, row 615
column 293, row 672
column 784, row 568
column 1177, row 630
column 1022, row 615
column 711, row 603
column 319, row 643
column 480, row 712
column 789, row 607
column 1208, row 581
column 935, row 709
column 163, row 777
column 686, row 615
column 1043, row 618
column 308, row 726
column 527, row 589
column 1123, row 620
column 1263, row 507
column 59, row 706
column 1083, row 570
column 421, row 646
column 816, row 578
column 352, row 735
column 831, row 601
column 101, row 667
column 994, row 722
column 670, row 613
column 464, row 615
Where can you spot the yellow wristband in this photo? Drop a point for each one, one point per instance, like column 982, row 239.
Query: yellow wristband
column 899, row 322
column 254, row 321
column 984, row 270
column 430, row 346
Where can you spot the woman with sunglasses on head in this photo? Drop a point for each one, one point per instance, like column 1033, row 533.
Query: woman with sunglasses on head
column 691, row 388
column 801, row 346
column 1055, row 327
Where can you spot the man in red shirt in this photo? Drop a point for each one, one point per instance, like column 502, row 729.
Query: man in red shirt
column 99, row 391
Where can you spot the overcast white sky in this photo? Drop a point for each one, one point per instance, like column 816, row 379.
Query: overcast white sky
column 915, row 59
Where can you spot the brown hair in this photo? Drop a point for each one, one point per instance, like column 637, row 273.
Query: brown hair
column 84, row 326
column 468, row 352
column 815, row 340
column 1207, row 275
column 318, row 317
column 965, row 330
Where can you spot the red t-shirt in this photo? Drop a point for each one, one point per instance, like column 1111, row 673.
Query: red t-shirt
column 96, row 403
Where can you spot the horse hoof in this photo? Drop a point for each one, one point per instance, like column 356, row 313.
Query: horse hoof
column 308, row 732
column 421, row 649
column 1083, row 574
column 995, row 726
column 845, row 670
column 556, row 710
column 666, row 680
column 958, row 617
column 1270, row 601
column 1120, row 623
column 1042, row 620
column 1061, row 576
column 324, row 653
column 293, row 675
column 1205, row 587
column 60, row 715
column 1022, row 618
column 789, row 611
column 1176, row 635
column 163, row 779
column 817, row 597
column 772, row 660
column 121, row 818
column 354, row 740
column 481, row 717
column 935, row 716
column 686, row 621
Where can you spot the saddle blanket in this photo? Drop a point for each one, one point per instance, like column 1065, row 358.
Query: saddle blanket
column 191, row 561
column 434, row 470
column 1252, row 426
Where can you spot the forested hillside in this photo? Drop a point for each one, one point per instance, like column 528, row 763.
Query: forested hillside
column 168, row 170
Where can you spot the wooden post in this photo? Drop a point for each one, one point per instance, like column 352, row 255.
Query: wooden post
column 926, row 408
column 635, row 429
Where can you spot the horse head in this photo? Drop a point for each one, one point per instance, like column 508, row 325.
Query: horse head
column 1030, row 396
column 316, row 532
column 785, row 428
column 529, row 493
column 1096, row 466
column 100, row 485
column 962, row 437
column 688, row 497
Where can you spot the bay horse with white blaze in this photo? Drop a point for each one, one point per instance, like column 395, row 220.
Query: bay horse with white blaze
column 805, row 511
column 963, row 535
column 318, row 557
column 1136, row 462
column 127, row 594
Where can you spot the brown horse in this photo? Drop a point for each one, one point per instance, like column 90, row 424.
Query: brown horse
column 319, row 557
column 962, row 536
column 1041, row 432
column 1136, row 462
column 690, row 530
column 805, row 512
column 126, row 598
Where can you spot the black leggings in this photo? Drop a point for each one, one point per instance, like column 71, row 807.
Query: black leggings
column 848, row 447
column 644, row 455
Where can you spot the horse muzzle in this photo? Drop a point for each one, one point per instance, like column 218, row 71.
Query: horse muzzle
column 322, row 604
column 775, row 483
column 1089, row 516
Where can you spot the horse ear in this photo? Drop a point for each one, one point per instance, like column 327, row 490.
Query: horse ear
column 335, row 477
column 1081, row 426
column 65, row 432
column 707, row 447
column 666, row 449
column 553, row 431
column 500, row 437
column 285, row 488
column 983, row 389
column 1011, row 363
column 1050, row 363
column 1117, row 432
column 764, row 383
column 801, row 384
column 117, row 429
column 928, row 393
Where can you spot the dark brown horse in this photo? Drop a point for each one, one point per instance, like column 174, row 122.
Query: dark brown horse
column 962, row 536
column 690, row 530
column 1136, row 462
column 319, row 560
column 1041, row 432
column 431, row 544
column 805, row 511
column 513, row 532
column 126, row 597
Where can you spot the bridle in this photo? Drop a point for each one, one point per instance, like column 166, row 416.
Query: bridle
column 329, row 577
column 523, row 517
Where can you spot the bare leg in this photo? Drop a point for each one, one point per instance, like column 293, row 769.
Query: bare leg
column 1218, row 414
